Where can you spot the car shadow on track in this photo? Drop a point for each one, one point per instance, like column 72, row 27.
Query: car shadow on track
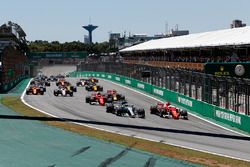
column 176, row 131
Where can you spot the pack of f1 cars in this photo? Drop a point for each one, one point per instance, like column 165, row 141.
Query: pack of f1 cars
column 94, row 87
column 112, row 95
column 63, row 83
column 166, row 110
column 93, row 80
column 123, row 109
column 63, row 91
column 52, row 78
column 84, row 82
column 103, row 98
column 41, row 79
column 34, row 90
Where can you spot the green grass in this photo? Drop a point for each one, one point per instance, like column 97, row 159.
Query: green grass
column 206, row 159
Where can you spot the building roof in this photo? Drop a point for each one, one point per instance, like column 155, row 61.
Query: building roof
column 227, row 37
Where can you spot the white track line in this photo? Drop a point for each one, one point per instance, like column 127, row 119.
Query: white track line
column 172, row 144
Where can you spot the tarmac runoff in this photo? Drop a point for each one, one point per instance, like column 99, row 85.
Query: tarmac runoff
column 26, row 143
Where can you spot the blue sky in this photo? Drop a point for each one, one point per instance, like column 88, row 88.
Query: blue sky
column 61, row 20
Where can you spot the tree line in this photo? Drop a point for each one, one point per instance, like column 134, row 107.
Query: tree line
column 55, row 46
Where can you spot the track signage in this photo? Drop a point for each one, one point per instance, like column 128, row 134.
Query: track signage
column 185, row 101
column 117, row 78
column 233, row 69
column 158, row 92
column 139, row 85
column 228, row 116
column 127, row 82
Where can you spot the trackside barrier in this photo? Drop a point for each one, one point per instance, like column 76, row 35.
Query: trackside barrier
column 6, row 87
column 225, row 116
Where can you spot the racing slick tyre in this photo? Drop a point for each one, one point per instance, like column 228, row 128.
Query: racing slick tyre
column 118, row 113
column 109, row 100
column 71, row 94
column 43, row 89
column 91, row 100
column 109, row 108
column 101, row 89
column 141, row 113
column 184, row 114
column 74, row 89
column 122, row 97
column 42, row 93
column 87, row 99
column 55, row 93
column 27, row 92
column 163, row 114
column 153, row 109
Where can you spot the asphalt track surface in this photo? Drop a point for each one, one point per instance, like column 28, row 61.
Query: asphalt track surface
column 193, row 133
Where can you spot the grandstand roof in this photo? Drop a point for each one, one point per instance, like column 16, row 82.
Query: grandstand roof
column 227, row 37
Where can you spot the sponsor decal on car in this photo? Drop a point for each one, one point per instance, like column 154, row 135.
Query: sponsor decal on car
column 139, row 85
column 158, row 92
column 227, row 116
column 185, row 101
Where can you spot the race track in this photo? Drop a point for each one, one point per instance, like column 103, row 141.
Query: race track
column 193, row 133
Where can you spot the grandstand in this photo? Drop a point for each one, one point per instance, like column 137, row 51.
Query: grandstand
column 14, row 64
column 192, row 51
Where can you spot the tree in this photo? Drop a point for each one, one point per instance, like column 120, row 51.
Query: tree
column 56, row 46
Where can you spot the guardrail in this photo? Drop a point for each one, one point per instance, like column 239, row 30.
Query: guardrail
column 7, row 86
column 210, row 111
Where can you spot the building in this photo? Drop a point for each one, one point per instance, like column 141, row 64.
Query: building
column 237, row 24
column 126, row 41
column 14, row 64
column 175, row 33
column 114, row 36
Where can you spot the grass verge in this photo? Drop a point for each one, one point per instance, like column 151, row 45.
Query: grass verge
column 16, row 105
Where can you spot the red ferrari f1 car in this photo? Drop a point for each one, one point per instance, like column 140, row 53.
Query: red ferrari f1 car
column 166, row 110
column 102, row 98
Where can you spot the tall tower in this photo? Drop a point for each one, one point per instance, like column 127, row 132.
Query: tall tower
column 90, row 28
